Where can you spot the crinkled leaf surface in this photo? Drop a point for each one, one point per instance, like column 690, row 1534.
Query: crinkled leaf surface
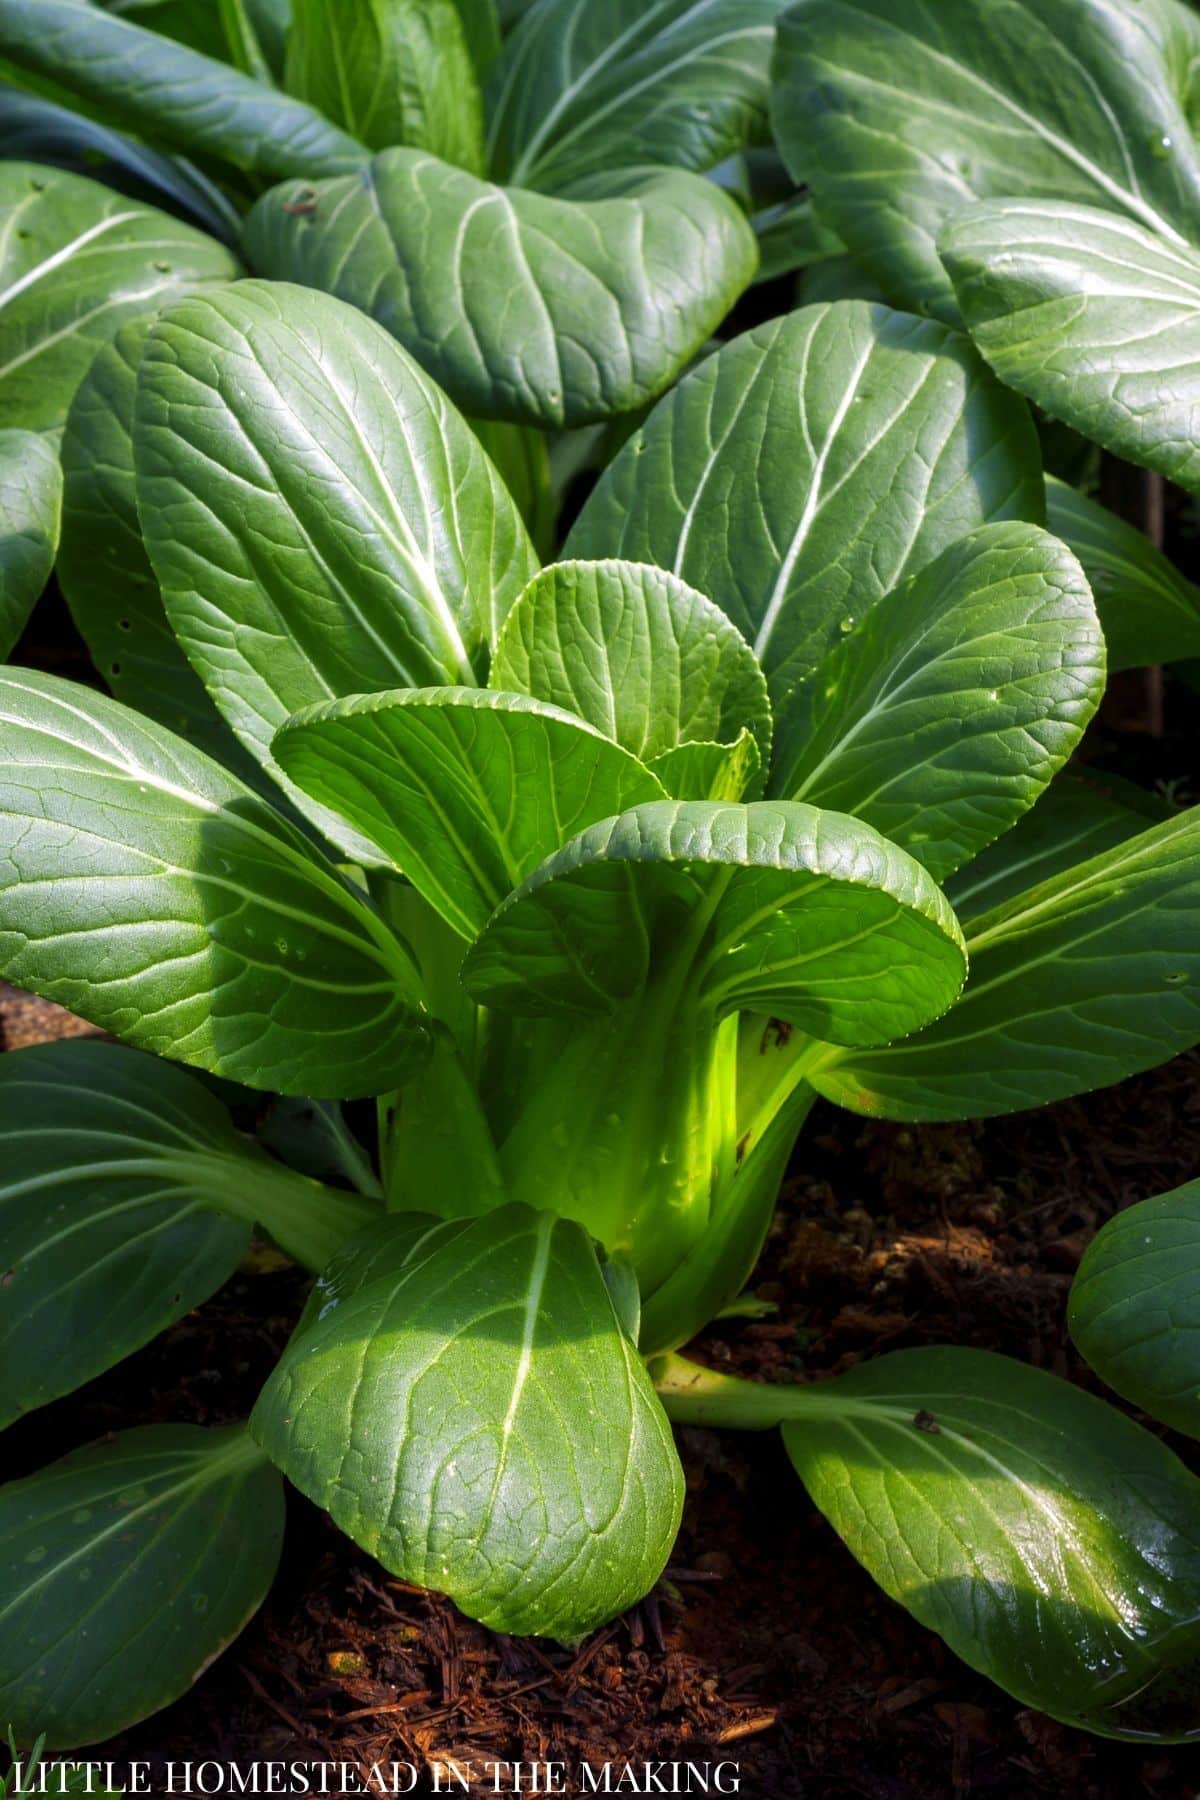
column 76, row 262
column 103, row 569
column 1089, row 977
column 1150, row 613
column 1093, row 316
column 1053, row 1543
column 124, row 1570
column 321, row 520
column 581, row 87
column 114, row 1169
column 30, row 502
column 472, row 1413
column 150, row 891
column 712, row 771
column 899, row 113
column 1135, row 1306
column 389, row 72
column 637, row 653
column 809, row 916
column 465, row 790
column 944, row 714
column 807, row 468
column 155, row 86
column 523, row 307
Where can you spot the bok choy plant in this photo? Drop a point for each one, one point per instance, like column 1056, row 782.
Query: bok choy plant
column 593, row 876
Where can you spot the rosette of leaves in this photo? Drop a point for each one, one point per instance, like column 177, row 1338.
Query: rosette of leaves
column 593, row 875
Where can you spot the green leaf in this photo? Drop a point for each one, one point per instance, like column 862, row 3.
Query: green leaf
column 805, row 915
column 480, row 22
column 637, row 653
column 76, row 262
column 899, row 113
column 1081, row 814
column 148, row 890
column 323, row 523
column 711, row 771
column 124, row 1570
column 103, row 569
column 792, row 235
column 473, row 1415
column 1053, row 1543
column 582, row 88
column 944, row 714
column 1150, row 613
column 522, row 458
column 196, row 23
column 1135, row 1306
column 30, row 499
column 1093, row 317
column 542, row 311
column 878, row 440
column 390, row 72
column 163, row 90
column 115, row 1169
column 465, row 791
column 1089, row 977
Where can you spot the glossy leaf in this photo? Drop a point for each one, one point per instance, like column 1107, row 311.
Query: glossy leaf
column 808, row 916
column 124, row 1570
column 466, row 791
column 712, row 771
column 114, row 1171
column 30, row 501
column 1094, row 317
column 1135, row 1306
column 164, row 90
column 582, row 87
column 324, row 524
column 523, row 307
column 148, row 890
column 1089, row 977
column 390, row 72
column 473, row 1414
column 103, row 569
column 1149, row 611
column 899, row 113
column 76, row 262
column 875, row 440
column 1053, row 1543
column 944, row 714
column 637, row 653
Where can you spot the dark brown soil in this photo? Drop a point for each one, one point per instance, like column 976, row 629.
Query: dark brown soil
column 764, row 1644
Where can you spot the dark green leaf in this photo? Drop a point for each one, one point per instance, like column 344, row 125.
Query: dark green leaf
column 944, row 714
column 124, row 1570
column 1135, row 1306
column 148, row 890
column 472, row 1413
column 76, row 262
column 523, row 307
column 30, row 499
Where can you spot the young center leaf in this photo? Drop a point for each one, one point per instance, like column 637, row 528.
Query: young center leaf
column 466, row 791
column 320, row 519
column 581, row 88
column 165, row 91
column 471, row 1412
column 30, row 503
column 76, row 262
column 390, row 72
column 1135, row 1306
column 124, row 1570
column 1149, row 612
column 150, row 891
column 1090, row 976
column 944, row 714
column 637, row 653
column 1093, row 316
column 544, row 311
column 878, row 440
column 899, row 114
